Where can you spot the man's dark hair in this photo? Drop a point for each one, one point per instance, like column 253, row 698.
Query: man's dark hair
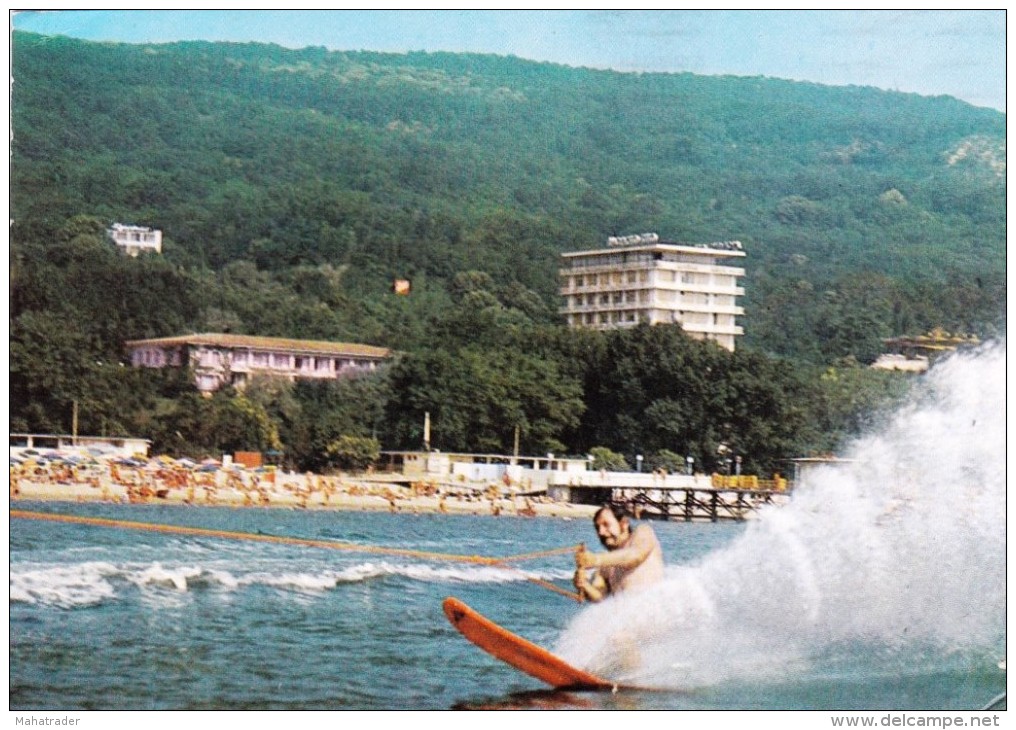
column 617, row 510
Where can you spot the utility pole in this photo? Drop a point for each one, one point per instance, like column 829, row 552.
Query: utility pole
column 426, row 431
column 515, row 452
column 74, row 423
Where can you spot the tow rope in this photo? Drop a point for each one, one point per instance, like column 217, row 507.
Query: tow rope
column 502, row 562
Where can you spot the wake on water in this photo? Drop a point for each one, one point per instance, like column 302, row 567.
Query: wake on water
column 891, row 562
column 94, row 582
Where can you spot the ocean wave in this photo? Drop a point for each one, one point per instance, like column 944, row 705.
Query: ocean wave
column 157, row 575
column 90, row 583
column 64, row 586
column 362, row 572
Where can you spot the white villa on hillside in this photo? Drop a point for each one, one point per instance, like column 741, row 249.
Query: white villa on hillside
column 135, row 239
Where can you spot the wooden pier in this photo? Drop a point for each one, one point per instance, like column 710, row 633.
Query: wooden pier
column 683, row 504
column 688, row 505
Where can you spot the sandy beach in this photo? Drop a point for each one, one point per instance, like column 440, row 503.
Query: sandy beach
column 232, row 487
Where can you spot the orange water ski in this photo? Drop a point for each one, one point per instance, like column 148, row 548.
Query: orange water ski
column 518, row 652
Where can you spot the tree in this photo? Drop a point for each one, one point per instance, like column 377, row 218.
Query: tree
column 53, row 364
column 354, row 453
column 667, row 460
column 606, row 460
column 225, row 423
column 477, row 399
column 332, row 409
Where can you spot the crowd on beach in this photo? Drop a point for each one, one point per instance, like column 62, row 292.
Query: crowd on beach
column 162, row 479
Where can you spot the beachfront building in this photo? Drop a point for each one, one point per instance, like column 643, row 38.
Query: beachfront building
column 218, row 359
column 134, row 240
column 470, row 469
column 640, row 278
column 23, row 445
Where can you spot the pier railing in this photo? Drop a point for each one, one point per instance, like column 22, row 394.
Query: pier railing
column 750, row 482
column 715, row 498
column 688, row 505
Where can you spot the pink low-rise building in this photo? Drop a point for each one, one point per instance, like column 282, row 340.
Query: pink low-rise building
column 220, row 359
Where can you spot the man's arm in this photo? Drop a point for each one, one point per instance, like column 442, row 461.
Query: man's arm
column 594, row 590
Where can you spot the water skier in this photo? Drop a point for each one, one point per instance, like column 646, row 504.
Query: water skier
column 633, row 559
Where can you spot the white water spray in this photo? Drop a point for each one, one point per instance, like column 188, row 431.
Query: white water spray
column 892, row 561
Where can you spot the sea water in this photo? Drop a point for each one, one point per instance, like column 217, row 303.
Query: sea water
column 113, row 618
column 880, row 586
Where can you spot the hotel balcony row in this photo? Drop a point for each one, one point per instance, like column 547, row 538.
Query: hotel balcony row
column 598, row 269
column 679, row 307
column 678, row 286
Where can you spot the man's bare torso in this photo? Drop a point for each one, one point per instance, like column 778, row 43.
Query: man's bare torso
column 620, row 578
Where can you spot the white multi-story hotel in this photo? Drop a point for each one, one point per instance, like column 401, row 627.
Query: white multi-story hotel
column 136, row 239
column 643, row 279
column 217, row 359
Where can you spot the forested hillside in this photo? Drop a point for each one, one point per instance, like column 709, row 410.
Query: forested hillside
column 293, row 186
